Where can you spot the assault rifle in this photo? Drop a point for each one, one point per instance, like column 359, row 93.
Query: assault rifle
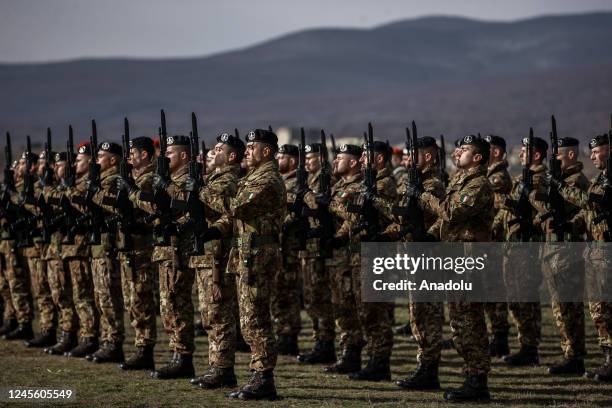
column 442, row 161
column 413, row 221
column 9, row 180
column 127, row 220
column 522, row 208
column 46, row 213
column 333, row 143
column 298, row 207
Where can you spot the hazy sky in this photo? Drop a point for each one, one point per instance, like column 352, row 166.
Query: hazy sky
column 44, row 30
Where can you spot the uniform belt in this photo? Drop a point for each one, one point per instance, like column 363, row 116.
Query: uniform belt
column 256, row 240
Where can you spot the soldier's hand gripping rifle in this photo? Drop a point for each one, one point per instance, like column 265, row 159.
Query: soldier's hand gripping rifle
column 522, row 208
column 24, row 225
column 70, row 214
column 95, row 212
column 368, row 215
column 126, row 221
column 603, row 202
column 298, row 208
column 413, row 221
column 45, row 210
column 442, row 162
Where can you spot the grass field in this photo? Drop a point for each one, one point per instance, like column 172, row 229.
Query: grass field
column 298, row 385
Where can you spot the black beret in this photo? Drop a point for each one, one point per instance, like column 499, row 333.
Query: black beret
column 142, row 143
column 567, row 142
column 33, row 156
column 232, row 141
column 538, row 143
column 379, row 147
column 312, row 148
column 426, row 141
column 599, row 140
column 291, row 150
column 62, row 156
column 178, row 140
column 350, row 149
column 496, row 141
column 473, row 140
column 112, row 148
column 84, row 149
column 43, row 156
column 262, row 136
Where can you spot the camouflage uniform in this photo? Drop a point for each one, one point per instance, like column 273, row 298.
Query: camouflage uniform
column 8, row 313
column 501, row 182
column 175, row 277
column 344, row 293
column 374, row 317
column 219, row 296
column 518, row 270
column 466, row 215
column 317, row 293
column 255, row 219
column 76, row 257
column 285, row 302
column 137, row 272
column 106, row 275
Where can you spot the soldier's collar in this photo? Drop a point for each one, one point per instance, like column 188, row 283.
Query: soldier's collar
column 384, row 172
column 181, row 171
column 289, row 174
column 149, row 168
column 573, row 169
column 497, row 166
column 110, row 172
column 266, row 167
column 353, row 178
column 538, row 168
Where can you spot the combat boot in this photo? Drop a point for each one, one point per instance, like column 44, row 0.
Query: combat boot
column 180, row 366
column 109, row 353
column 22, row 332
column 44, row 339
column 66, row 342
column 604, row 372
column 260, row 386
column 526, row 356
column 8, row 326
column 425, row 377
column 87, row 346
column 141, row 360
column 323, row 352
column 287, row 345
column 474, row 388
column 403, row 330
column 568, row 366
column 216, row 378
column 498, row 345
column 377, row 369
column 349, row 362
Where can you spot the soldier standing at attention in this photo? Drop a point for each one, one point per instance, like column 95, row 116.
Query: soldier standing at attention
column 285, row 303
column 218, row 288
column 466, row 215
column 106, row 276
column 137, row 272
column 175, row 277
column 500, row 180
column 317, row 294
column 76, row 257
column 255, row 220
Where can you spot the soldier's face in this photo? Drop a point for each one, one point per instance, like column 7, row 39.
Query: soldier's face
column 396, row 160
column 81, row 164
column 60, row 170
column 256, row 153
column 346, row 164
column 138, row 158
column 536, row 156
column 599, row 156
column 406, row 160
column 210, row 161
column 313, row 162
column 567, row 156
column 495, row 154
column 455, row 156
column 221, row 154
column 468, row 158
column 105, row 160
column 21, row 167
column 40, row 164
column 286, row 162
column 178, row 157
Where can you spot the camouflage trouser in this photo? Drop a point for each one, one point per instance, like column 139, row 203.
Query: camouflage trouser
column 61, row 292
column 426, row 321
column 317, row 298
column 41, row 292
column 19, row 284
column 467, row 321
column 570, row 322
column 175, row 286
column 83, row 296
column 344, row 302
column 107, row 286
column 8, row 313
column 528, row 318
column 200, row 277
column 137, row 281
column 221, row 317
column 498, row 316
column 601, row 313
column 375, row 321
column 285, row 302
column 256, row 273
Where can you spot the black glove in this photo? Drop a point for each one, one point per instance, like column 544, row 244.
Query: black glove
column 158, row 182
column 523, row 188
column 190, row 185
column 125, row 185
column 91, row 187
column 414, row 191
column 211, row 234
column 554, row 182
column 322, row 200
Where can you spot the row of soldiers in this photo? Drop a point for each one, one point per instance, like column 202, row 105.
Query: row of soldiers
column 256, row 234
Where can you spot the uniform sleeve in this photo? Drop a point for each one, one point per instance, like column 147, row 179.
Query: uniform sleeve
column 251, row 202
column 216, row 196
column 575, row 196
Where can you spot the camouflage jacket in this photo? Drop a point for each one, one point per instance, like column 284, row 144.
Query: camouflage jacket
column 289, row 237
column 343, row 192
column 220, row 187
column 501, row 182
column 466, row 214
column 80, row 248
column 313, row 244
column 399, row 174
column 583, row 222
column 256, row 213
column 54, row 249
column 108, row 183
